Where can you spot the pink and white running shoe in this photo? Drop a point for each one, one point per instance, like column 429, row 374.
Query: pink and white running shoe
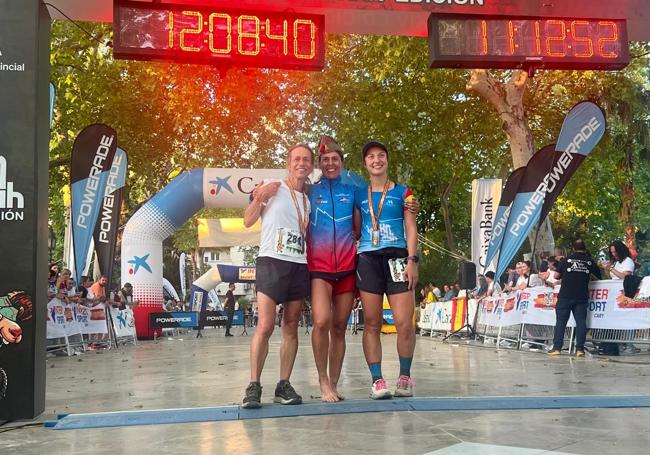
column 379, row 391
column 404, row 387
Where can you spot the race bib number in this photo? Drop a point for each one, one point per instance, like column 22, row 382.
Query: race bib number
column 289, row 242
column 397, row 268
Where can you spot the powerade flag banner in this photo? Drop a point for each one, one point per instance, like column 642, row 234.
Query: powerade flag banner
column 105, row 234
column 583, row 127
column 581, row 131
column 92, row 155
column 503, row 212
column 526, row 206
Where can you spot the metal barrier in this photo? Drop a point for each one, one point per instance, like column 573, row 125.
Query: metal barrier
column 620, row 336
column 542, row 335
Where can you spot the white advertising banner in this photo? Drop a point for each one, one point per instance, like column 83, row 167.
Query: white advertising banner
column 440, row 315
column 123, row 322
column 62, row 320
column 92, row 319
column 608, row 308
column 485, row 200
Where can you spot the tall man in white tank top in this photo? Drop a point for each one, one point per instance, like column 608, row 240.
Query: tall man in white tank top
column 282, row 276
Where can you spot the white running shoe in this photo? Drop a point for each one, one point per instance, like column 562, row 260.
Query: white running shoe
column 379, row 391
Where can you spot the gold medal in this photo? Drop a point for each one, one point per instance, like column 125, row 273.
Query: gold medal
column 376, row 236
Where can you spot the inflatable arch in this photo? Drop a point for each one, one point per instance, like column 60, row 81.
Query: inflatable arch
column 163, row 214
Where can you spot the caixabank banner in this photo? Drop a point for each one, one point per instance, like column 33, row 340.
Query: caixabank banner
column 24, row 134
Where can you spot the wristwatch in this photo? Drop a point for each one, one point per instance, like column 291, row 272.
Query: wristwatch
column 415, row 259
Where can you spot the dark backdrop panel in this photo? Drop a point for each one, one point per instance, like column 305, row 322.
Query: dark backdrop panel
column 24, row 135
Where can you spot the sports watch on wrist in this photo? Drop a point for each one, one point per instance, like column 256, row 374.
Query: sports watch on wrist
column 415, row 259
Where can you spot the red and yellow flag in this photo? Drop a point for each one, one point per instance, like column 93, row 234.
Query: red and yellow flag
column 458, row 313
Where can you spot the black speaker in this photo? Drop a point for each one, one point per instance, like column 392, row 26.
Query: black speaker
column 467, row 275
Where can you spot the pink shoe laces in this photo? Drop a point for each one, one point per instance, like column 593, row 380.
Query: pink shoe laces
column 380, row 384
column 405, row 381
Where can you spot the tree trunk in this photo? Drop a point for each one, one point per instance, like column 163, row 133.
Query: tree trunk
column 507, row 99
column 627, row 195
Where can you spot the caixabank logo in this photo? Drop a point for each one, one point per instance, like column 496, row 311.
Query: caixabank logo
column 12, row 203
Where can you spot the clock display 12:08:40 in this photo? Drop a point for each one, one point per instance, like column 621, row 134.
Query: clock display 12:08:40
column 250, row 38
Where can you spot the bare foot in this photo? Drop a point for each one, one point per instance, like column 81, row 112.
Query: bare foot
column 327, row 395
column 341, row 397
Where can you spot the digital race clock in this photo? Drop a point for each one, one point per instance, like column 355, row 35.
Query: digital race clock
column 219, row 36
column 472, row 41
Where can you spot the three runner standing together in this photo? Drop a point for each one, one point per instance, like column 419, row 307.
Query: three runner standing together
column 318, row 225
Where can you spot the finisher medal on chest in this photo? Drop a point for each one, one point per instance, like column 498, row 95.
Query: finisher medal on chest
column 376, row 237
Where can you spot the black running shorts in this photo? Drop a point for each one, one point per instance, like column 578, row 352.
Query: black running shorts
column 373, row 274
column 283, row 281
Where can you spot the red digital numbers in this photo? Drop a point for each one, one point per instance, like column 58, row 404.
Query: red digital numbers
column 473, row 41
column 551, row 37
column 249, row 34
column 218, row 36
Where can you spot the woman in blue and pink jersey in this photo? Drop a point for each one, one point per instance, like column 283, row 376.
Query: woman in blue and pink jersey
column 331, row 254
column 387, row 264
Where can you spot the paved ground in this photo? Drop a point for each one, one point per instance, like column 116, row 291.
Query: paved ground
column 213, row 371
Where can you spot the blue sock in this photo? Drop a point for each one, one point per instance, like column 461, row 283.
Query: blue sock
column 405, row 366
column 375, row 371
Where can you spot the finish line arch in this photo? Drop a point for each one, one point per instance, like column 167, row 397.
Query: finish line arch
column 167, row 211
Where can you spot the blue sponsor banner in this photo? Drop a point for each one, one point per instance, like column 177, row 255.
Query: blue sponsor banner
column 583, row 127
column 548, row 172
column 527, row 205
column 220, row 318
column 188, row 319
column 503, row 213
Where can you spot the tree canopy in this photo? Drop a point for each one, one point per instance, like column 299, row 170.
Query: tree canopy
column 441, row 136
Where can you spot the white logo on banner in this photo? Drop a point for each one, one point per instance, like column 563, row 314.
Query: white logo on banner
column 12, row 202
column 485, row 199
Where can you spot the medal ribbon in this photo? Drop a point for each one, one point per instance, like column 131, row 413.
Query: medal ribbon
column 303, row 218
column 375, row 220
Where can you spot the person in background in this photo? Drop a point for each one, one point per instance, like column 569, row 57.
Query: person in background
column 543, row 261
column 51, row 283
column 550, row 276
column 436, row 291
column 558, row 252
column 229, row 307
column 575, row 272
column 494, row 288
column 512, row 276
column 431, row 296
column 82, row 289
column 63, row 278
column 620, row 263
column 449, row 292
column 71, row 293
column 456, row 288
column 99, row 289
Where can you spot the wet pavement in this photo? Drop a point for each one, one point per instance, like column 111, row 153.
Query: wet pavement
column 213, row 371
